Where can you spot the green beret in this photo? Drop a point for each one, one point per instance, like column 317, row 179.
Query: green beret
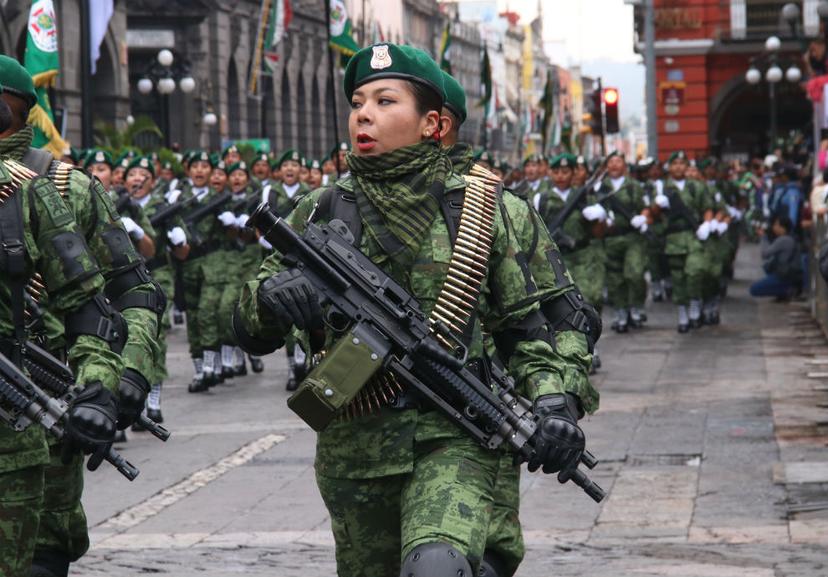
column 229, row 149
column 98, row 157
column 200, row 156
column 677, row 155
column 142, row 162
column 167, row 165
column 240, row 165
column 387, row 60
column 483, row 155
column 341, row 146
column 261, row 157
column 220, row 165
column 564, row 160
column 503, row 166
column 123, row 163
column 531, row 158
column 313, row 163
column 273, row 164
column 17, row 80
column 289, row 154
column 646, row 163
column 455, row 97
column 617, row 153
column 214, row 159
column 580, row 161
column 73, row 153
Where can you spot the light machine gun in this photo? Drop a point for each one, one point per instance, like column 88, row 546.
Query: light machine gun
column 384, row 328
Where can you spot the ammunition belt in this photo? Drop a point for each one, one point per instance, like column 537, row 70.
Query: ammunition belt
column 459, row 297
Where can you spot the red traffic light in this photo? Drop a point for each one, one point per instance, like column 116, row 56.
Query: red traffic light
column 610, row 96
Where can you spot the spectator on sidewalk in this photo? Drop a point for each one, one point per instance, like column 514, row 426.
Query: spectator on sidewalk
column 781, row 261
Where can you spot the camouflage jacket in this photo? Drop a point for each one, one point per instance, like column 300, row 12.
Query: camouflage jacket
column 681, row 236
column 382, row 444
column 575, row 227
column 70, row 285
column 631, row 195
column 278, row 199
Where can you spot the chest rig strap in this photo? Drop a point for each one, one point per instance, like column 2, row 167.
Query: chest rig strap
column 13, row 259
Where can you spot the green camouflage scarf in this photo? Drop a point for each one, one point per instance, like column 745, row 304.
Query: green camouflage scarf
column 398, row 195
column 17, row 144
column 461, row 156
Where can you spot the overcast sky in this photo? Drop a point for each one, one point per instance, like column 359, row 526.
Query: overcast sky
column 598, row 35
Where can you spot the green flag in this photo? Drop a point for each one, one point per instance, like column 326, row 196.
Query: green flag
column 41, row 60
column 485, row 80
column 341, row 29
column 445, row 49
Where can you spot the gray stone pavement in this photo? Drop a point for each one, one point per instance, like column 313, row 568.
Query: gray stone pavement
column 705, row 441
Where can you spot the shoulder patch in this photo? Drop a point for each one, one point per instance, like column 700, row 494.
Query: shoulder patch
column 48, row 194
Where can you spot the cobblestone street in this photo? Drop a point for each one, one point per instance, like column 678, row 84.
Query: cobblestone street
column 712, row 449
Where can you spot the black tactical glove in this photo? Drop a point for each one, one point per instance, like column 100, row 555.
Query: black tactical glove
column 559, row 441
column 132, row 394
column 291, row 299
column 90, row 426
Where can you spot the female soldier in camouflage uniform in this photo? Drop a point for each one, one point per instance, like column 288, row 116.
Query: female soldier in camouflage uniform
column 408, row 493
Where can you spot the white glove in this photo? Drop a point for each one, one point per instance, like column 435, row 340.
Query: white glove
column 132, row 229
column 172, row 195
column 177, row 236
column 703, row 232
column 722, row 227
column 643, row 228
column 241, row 220
column 594, row 212
column 263, row 242
column 662, row 201
column 597, row 186
column 639, row 221
column 227, row 218
column 610, row 221
column 735, row 213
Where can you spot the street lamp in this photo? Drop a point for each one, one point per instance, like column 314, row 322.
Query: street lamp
column 164, row 73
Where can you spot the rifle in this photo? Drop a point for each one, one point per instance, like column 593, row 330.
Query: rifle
column 22, row 403
column 678, row 204
column 56, row 378
column 555, row 226
column 388, row 330
column 167, row 213
column 202, row 212
column 613, row 204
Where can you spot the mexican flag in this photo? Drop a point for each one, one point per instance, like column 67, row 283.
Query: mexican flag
column 445, row 49
column 279, row 21
column 341, row 38
column 41, row 60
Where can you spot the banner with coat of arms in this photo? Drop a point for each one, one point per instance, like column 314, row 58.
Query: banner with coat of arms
column 42, row 62
column 341, row 29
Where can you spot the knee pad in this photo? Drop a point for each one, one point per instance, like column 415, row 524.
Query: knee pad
column 435, row 560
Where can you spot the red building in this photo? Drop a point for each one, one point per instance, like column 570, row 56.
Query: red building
column 703, row 50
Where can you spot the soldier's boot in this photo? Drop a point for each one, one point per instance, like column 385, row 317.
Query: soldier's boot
column 695, row 313
column 715, row 307
column 218, row 374
column 620, row 324
column 209, row 378
column 637, row 317
column 197, row 384
column 657, row 291
column 435, row 560
column 154, row 404
column 49, row 563
column 291, row 384
column 683, row 319
column 227, row 371
column 707, row 313
column 668, row 288
column 178, row 316
column 256, row 364
column 239, row 365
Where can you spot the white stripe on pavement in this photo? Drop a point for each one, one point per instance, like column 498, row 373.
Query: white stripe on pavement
column 139, row 513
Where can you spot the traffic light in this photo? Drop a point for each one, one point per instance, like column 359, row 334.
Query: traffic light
column 596, row 121
column 611, row 110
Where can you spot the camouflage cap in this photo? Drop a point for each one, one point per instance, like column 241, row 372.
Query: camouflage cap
column 386, row 60
column 289, row 154
column 455, row 97
column 564, row 160
column 17, row 80
column 144, row 162
column 98, row 157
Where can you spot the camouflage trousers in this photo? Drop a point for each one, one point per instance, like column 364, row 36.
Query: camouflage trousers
column 164, row 276
column 448, row 498
column 716, row 251
column 588, row 269
column 505, row 537
column 21, row 502
column 63, row 521
column 203, row 285
column 626, row 260
column 688, row 274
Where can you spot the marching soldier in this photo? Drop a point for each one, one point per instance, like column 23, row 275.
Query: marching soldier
column 533, row 182
column 624, row 244
column 687, row 209
column 260, row 169
column 314, row 174
column 407, row 502
column 219, row 177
